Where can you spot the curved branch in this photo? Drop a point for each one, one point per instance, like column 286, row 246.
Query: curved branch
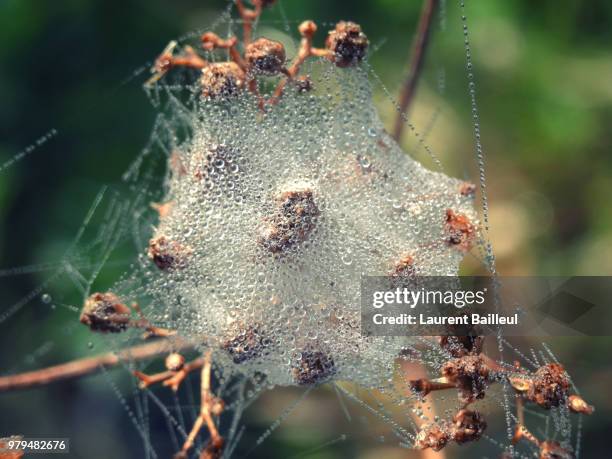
column 83, row 367
column 419, row 46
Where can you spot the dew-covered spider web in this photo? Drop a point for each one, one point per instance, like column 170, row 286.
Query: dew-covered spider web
column 246, row 231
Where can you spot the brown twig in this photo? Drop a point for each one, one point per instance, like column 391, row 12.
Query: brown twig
column 90, row 365
column 248, row 17
column 209, row 406
column 419, row 46
column 170, row 378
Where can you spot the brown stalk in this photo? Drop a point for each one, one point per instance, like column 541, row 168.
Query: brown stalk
column 171, row 379
column 211, row 41
column 248, row 17
column 307, row 30
column 83, row 367
column 209, row 406
column 419, row 46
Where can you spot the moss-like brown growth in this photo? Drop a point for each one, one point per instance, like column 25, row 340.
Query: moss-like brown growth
column 469, row 374
column 222, row 79
column 347, row 43
column 313, row 367
column 265, row 57
column 292, row 222
column 104, row 312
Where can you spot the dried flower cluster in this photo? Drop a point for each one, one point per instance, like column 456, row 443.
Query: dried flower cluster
column 275, row 205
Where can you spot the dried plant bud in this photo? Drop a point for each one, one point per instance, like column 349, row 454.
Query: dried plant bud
column 307, row 28
column 553, row 450
column 422, row 386
column 468, row 426
column 217, row 406
column 213, row 450
column 265, row 57
column 303, row 83
column 460, row 230
column 167, row 255
column 347, row 43
column 434, row 436
column 163, row 208
column 550, row 386
column 12, row 453
column 292, row 222
column 469, row 374
column 404, row 267
column 163, row 63
column 521, row 383
column 104, row 312
column 313, row 367
column 222, row 79
column 460, row 346
column 467, row 189
column 577, row 404
column 246, row 344
column 174, row 361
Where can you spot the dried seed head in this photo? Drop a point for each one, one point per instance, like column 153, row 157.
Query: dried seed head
column 307, row 28
column 347, row 43
column 303, row 83
column 550, row 386
column 12, row 453
column 246, row 344
column 467, row 189
column 521, row 383
column 434, row 436
column 265, row 57
column 104, row 312
column 167, row 254
column 174, row 361
column 313, row 367
column 578, row 405
column 460, row 231
column 404, row 267
column 460, row 346
column 553, row 450
column 292, row 222
column 468, row 426
column 469, row 374
column 217, row 406
column 222, row 79
column 213, row 449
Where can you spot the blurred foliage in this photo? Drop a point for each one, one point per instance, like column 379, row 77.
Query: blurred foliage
column 544, row 83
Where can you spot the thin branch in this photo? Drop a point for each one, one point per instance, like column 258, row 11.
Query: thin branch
column 419, row 46
column 90, row 365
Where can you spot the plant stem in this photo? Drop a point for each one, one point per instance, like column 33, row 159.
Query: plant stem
column 419, row 46
column 90, row 365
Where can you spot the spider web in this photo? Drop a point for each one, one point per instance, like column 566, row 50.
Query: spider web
column 106, row 250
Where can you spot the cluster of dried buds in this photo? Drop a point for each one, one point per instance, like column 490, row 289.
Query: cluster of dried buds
column 548, row 387
column 245, row 344
column 466, row 426
column 548, row 449
column 106, row 313
column 345, row 46
column 292, row 221
column 461, row 231
column 470, row 372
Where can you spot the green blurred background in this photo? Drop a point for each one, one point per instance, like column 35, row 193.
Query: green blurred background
column 544, row 82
